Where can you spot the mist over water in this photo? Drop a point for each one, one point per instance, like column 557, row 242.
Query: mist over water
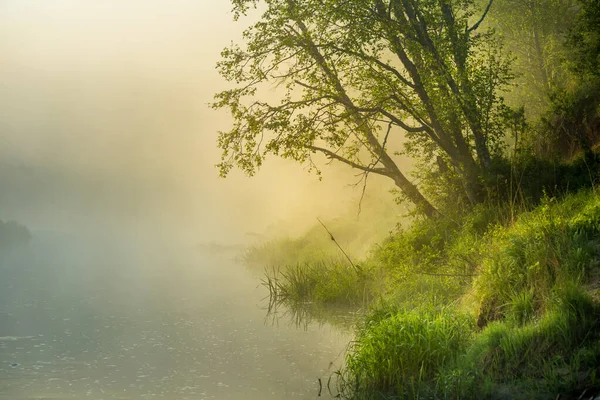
column 94, row 316
column 107, row 155
column 104, row 114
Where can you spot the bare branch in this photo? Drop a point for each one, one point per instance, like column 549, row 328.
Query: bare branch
column 339, row 247
column 374, row 163
column 471, row 29
column 330, row 154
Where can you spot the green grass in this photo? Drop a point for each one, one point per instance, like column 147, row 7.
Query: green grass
column 530, row 329
column 440, row 354
column 331, row 291
column 553, row 245
column 326, row 282
column 495, row 304
column 399, row 352
column 553, row 353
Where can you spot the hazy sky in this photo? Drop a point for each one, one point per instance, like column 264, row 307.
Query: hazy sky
column 106, row 101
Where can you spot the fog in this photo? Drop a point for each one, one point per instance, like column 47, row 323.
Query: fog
column 104, row 119
column 107, row 155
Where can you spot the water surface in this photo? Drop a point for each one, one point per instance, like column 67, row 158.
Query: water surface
column 104, row 317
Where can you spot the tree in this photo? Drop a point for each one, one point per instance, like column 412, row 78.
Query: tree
column 535, row 31
column 584, row 40
column 353, row 72
column 12, row 234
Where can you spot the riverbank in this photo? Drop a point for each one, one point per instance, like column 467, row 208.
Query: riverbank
column 503, row 303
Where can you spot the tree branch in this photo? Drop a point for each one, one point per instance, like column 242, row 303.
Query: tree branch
column 380, row 63
column 330, row 154
column 374, row 163
column 403, row 125
column 471, row 29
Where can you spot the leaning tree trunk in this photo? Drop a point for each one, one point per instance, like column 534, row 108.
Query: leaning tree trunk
column 392, row 171
column 414, row 195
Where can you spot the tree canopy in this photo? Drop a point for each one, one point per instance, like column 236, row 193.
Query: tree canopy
column 352, row 73
column 535, row 31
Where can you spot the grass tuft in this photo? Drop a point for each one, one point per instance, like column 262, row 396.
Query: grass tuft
column 326, row 282
column 401, row 353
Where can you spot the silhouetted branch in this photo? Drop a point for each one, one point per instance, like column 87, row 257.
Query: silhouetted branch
column 338, row 245
column 471, row 29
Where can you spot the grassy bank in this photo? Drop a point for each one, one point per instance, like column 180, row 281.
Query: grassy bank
column 494, row 293
column 498, row 304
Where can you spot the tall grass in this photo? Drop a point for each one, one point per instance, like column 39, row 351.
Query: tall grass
column 493, row 304
column 555, row 244
column 330, row 291
column 400, row 353
column 439, row 354
column 556, row 352
column 537, row 329
column 326, row 282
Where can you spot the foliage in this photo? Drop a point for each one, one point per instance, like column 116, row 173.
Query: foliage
column 524, row 327
column 568, row 107
column 492, row 298
column 347, row 70
column 535, row 31
column 552, row 245
column 538, row 329
column 445, row 246
column 572, row 122
column 400, row 353
column 584, row 40
column 525, row 181
column 567, row 335
column 332, row 282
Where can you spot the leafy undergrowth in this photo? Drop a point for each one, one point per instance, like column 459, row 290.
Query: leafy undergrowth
column 496, row 305
column 526, row 325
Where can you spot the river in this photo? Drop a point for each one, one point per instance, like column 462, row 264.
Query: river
column 104, row 316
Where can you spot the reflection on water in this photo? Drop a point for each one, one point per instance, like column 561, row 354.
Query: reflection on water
column 304, row 315
column 99, row 319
